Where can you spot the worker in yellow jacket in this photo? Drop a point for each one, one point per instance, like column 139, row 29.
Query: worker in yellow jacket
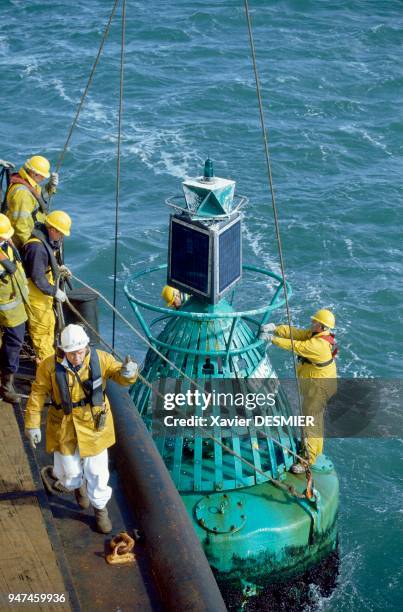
column 13, row 302
column 316, row 349
column 172, row 297
column 42, row 262
column 26, row 201
column 79, row 427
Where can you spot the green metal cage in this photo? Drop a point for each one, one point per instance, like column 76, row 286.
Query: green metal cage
column 230, row 340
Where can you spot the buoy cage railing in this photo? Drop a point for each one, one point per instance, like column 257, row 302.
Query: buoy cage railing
column 256, row 316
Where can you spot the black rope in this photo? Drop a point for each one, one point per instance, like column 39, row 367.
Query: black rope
column 119, row 139
column 273, row 199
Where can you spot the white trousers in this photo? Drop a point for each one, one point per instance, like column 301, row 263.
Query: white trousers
column 73, row 470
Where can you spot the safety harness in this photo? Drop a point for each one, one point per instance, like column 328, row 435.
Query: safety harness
column 92, row 387
column 330, row 338
column 4, row 178
column 11, row 274
column 15, row 179
column 39, row 233
column 9, row 266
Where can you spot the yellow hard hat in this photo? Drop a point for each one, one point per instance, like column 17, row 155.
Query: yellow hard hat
column 324, row 317
column 168, row 293
column 38, row 164
column 6, row 231
column 60, row 221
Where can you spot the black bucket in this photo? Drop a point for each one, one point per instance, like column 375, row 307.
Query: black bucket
column 85, row 301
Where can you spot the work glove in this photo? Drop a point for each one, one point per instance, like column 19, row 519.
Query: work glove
column 51, row 185
column 6, row 164
column 65, row 272
column 60, row 296
column 266, row 331
column 34, row 436
column 129, row 368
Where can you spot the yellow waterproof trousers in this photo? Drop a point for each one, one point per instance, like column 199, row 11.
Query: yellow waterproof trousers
column 41, row 322
column 316, row 393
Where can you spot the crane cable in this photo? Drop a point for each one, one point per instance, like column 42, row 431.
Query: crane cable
column 273, row 198
column 119, row 135
column 119, row 139
column 287, row 488
column 265, row 139
column 80, row 106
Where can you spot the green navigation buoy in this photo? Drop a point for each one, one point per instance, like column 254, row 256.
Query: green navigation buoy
column 250, row 527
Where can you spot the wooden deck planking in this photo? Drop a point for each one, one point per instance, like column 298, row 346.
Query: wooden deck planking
column 15, row 473
column 28, row 562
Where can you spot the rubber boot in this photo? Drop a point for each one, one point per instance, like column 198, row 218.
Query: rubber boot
column 102, row 519
column 81, row 497
column 7, row 389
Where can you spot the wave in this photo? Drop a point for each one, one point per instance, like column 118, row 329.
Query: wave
column 164, row 151
column 365, row 135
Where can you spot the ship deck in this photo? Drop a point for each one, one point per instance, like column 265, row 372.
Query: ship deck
column 49, row 546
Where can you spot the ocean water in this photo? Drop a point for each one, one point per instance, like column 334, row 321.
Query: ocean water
column 332, row 84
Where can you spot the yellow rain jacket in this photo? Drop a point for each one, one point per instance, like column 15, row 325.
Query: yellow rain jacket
column 65, row 432
column 24, row 209
column 13, row 289
column 314, row 348
column 317, row 384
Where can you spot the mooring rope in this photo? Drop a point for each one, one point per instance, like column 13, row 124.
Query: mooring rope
column 287, row 488
column 108, row 346
column 273, row 198
column 136, row 331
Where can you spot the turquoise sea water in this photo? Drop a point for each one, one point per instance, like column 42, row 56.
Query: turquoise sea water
column 332, row 81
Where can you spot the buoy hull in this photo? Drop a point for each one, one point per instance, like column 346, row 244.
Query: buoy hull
column 280, row 537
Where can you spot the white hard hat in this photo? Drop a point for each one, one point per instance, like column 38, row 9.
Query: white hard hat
column 73, row 338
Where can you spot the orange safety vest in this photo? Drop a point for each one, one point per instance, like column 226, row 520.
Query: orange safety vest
column 334, row 348
column 16, row 179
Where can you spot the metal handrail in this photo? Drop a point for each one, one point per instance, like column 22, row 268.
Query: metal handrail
column 210, row 316
column 171, row 201
column 167, row 313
